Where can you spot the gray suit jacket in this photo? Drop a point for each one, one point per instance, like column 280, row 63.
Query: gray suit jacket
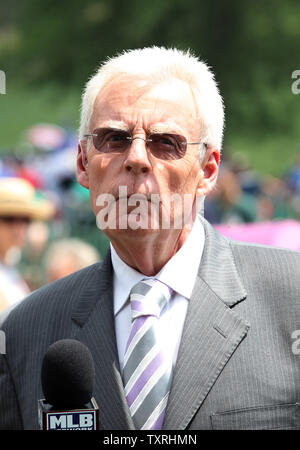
column 235, row 369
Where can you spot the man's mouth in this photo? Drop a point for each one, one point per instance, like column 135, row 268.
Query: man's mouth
column 134, row 197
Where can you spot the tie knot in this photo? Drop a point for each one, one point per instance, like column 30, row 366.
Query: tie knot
column 148, row 298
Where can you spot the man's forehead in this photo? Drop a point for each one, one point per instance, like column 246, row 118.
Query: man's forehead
column 162, row 105
column 133, row 90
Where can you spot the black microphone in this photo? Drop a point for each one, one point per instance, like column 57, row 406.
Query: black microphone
column 68, row 381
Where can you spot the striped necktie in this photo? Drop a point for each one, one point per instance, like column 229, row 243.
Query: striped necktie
column 147, row 371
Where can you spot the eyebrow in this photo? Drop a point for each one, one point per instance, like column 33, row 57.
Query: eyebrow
column 165, row 127
column 115, row 124
column 161, row 127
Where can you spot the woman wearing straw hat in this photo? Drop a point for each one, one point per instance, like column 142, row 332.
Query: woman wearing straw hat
column 18, row 207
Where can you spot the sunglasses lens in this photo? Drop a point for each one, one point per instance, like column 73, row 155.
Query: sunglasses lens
column 107, row 140
column 10, row 220
column 163, row 146
column 167, row 146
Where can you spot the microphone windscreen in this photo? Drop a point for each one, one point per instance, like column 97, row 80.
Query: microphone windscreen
column 68, row 374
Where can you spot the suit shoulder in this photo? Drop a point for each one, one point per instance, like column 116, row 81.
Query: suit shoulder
column 264, row 251
column 275, row 267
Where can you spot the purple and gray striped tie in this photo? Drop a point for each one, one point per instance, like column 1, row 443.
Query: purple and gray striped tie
column 147, row 370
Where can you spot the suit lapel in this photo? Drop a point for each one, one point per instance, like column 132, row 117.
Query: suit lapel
column 94, row 317
column 212, row 331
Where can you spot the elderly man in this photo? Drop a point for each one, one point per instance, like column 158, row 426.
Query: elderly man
column 188, row 330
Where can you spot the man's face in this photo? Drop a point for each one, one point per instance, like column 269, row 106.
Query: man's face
column 13, row 231
column 165, row 108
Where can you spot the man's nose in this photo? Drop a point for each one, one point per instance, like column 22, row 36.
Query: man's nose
column 137, row 160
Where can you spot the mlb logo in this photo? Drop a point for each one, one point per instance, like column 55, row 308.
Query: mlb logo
column 86, row 418
column 79, row 420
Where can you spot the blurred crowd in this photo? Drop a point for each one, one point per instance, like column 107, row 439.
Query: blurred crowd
column 47, row 228
column 244, row 196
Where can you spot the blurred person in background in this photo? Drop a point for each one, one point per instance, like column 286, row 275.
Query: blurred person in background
column 31, row 264
column 18, row 207
column 228, row 203
column 66, row 256
column 293, row 175
column 293, row 182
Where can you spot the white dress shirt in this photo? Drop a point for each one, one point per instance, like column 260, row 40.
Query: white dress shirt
column 12, row 286
column 179, row 273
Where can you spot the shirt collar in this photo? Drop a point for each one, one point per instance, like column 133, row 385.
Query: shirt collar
column 179, row 273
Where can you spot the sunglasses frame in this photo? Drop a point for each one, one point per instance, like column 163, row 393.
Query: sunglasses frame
column 147, row 140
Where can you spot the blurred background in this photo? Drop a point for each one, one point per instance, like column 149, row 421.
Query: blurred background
column 48, row 50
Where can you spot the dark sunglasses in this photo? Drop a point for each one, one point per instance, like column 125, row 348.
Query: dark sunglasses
column 161, row 145
column 15, row 219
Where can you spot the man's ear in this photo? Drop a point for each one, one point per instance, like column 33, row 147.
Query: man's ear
column 210, row 170
column 82, row 165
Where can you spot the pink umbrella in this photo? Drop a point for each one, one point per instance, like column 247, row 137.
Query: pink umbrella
column 281, row 233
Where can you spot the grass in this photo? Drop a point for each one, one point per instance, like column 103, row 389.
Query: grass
column 20, row 109
column 272, row 155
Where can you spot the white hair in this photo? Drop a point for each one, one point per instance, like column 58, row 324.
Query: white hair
column 159, row 64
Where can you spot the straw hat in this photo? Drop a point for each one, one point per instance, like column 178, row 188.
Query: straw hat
column 18, row 198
